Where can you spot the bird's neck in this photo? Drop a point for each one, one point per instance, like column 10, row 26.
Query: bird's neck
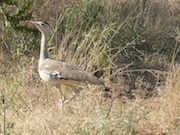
column 43, row 50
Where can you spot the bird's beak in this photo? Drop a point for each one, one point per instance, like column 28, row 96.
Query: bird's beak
column 33, row 22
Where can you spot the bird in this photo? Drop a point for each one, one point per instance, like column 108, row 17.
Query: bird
column 58, row 72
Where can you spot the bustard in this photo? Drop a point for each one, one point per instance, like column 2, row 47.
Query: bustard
column 60, row 72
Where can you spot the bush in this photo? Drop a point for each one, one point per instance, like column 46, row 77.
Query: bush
column 16, row 37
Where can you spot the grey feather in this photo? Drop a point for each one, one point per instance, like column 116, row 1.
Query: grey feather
column 67, row 71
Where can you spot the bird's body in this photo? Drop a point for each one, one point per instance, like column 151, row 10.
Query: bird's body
column 60, row 72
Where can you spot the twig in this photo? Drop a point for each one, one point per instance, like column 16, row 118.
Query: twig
column 4, row 110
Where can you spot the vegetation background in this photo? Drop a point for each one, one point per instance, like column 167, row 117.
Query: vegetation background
column 131, row 45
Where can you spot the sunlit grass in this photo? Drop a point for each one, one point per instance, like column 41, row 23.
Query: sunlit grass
column 37, row 111
column 106, row 44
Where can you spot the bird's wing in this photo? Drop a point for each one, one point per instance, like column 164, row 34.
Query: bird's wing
column 61, row 70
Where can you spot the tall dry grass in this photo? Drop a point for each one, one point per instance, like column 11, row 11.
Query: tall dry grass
column 107, row 43
column 36, row 110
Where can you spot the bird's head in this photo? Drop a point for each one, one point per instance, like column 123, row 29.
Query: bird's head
column 43, row 27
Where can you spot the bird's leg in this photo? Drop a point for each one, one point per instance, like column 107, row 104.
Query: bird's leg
column 62, row 97
column 67, row 101
column 76, row 91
